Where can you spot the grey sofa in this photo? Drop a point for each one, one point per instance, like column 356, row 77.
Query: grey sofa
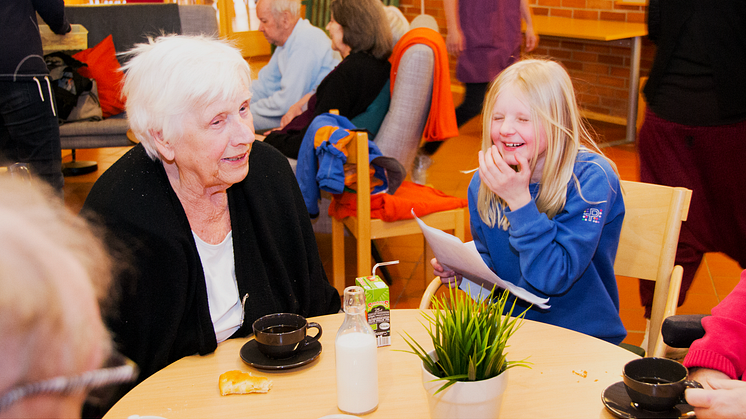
column 128, row 24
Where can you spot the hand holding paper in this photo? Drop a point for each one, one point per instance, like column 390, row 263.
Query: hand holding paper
column 466, row 260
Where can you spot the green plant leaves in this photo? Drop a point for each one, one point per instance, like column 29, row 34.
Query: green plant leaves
column 470, row 337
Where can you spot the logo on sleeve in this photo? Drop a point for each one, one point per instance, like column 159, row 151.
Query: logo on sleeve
column 593, row 215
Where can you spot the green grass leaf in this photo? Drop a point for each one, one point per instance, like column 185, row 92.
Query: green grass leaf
column 469, row 337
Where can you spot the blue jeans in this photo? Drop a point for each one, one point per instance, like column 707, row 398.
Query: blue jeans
column 29, row 129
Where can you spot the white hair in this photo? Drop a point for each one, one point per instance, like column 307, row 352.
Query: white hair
column 277, row 7
column 172, row 76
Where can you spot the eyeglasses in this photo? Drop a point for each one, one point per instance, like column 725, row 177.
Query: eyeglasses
column 119, row 369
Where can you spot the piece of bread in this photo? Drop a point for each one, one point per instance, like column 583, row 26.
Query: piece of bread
column 237, row 382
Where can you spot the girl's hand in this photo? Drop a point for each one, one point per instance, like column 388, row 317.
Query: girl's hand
column 447, row 277
column 505, row 182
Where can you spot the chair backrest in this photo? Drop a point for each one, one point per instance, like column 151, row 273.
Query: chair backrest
column 401, row 131
column 131, row 24
column 648, row 242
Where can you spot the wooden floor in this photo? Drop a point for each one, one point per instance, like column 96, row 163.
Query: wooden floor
column 717, row 275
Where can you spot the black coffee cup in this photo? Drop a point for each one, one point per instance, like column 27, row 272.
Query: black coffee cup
column 657, row 384
column 282, row 335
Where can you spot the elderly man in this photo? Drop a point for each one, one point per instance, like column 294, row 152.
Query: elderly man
column 53, row 271
column 302, row 59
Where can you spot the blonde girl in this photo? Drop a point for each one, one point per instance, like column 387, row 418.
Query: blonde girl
column 546, row 206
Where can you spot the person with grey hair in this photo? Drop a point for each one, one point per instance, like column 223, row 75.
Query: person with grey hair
column 360, row 32
column 215, row 221
column 302, row 59
column 53, row 273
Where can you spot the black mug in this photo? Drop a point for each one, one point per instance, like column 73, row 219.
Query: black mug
column 657, row 384
column 283, row 335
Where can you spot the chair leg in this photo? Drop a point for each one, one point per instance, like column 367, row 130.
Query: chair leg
column 364, row 252
column 460, row 222
column 338, row 255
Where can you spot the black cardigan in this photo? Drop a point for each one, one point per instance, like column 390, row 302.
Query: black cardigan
column 163, row 311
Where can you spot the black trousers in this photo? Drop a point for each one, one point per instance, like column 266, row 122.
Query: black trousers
column 29, row 129
column 470, row 107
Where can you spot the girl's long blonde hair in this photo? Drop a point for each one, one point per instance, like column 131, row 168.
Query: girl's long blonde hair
column 551, row 98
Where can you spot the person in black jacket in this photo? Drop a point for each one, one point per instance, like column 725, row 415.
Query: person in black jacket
column 215, row 222
column 29, row 129
column 360, row 33
column 694, row 132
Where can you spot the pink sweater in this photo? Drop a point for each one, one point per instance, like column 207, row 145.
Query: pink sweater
column 723, row 347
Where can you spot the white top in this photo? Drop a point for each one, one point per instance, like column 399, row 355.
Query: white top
column 223, row 299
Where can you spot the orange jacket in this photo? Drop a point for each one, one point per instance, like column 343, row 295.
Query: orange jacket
column 441, row 121
column 423, row 199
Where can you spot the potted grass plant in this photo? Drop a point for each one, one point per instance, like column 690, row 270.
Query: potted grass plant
column 465, row 376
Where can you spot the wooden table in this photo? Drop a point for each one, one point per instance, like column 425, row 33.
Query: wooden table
column 570, row 371
column 627, row 33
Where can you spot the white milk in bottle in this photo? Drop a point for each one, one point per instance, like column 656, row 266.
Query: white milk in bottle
column 356, row 357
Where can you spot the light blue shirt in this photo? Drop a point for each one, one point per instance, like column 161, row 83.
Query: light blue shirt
column 295, row 69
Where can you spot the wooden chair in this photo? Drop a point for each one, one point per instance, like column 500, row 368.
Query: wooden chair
column 365, row 229
column 647, row 249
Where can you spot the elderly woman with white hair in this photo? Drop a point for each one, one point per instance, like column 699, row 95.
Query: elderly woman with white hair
column 216, row 223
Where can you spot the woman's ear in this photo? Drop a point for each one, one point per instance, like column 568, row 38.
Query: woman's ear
column 164, row 147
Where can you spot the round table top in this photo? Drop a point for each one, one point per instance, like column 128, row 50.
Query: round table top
column 569, row 373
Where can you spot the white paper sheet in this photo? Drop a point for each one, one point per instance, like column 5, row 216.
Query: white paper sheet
column 466, row 260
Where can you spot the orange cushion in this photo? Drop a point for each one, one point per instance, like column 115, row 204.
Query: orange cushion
column 104, row 68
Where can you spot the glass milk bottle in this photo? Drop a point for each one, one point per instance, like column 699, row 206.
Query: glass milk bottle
column 356, row 357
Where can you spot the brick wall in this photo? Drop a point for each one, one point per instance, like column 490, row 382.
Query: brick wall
column 600, row 71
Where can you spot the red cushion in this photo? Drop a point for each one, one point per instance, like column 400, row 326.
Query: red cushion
column 104, row 68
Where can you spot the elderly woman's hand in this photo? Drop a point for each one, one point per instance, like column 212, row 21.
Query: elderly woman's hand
column 447, row 276
column 296, row 109
column 725, row 398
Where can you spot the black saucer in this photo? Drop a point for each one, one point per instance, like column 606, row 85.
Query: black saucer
column 617, row 400
column 250, row 354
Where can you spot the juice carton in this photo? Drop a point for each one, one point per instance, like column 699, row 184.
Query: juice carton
column 377, row 308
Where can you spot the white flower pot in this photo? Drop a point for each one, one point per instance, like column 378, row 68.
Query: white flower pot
column 464, row 399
